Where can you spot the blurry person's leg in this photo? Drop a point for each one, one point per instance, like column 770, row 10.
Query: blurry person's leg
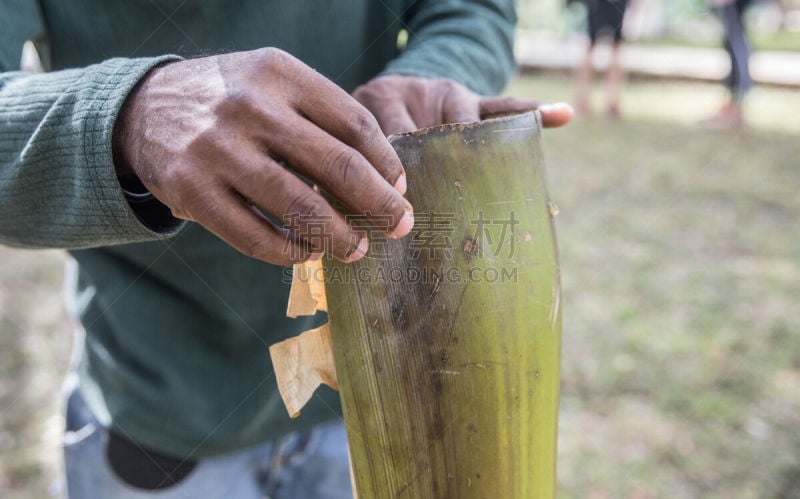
column 739, row 80
column 614, row 82
column 740, row 50
column 583, row 82
column 585, row 69
column 616, row 75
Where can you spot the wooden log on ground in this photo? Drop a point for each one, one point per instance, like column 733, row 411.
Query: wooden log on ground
column 447, row 342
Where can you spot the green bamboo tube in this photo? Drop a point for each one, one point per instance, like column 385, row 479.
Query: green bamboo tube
column 450, row 384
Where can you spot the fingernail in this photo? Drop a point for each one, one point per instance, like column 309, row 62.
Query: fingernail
column 404, row 226
column 359, row 252
column 401, row 186
column 554, row 107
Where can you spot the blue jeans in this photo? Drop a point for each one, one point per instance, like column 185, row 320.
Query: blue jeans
column 312, row 464
column 739, row 81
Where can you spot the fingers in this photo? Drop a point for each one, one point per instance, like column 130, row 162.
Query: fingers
column 232, row 220
column 391, row 111
column 497, row 106
column 307, row 216
column 460, row 106
column 394, row 118
column 555, row 115
column 335, row 111
column 348, row 176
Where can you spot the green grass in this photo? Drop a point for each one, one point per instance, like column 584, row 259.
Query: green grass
column 681, row 275
column 767, row 109
column 681, row 270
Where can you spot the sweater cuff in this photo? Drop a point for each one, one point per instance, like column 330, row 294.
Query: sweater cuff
column 112, row 83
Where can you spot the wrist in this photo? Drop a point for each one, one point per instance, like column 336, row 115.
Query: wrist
column 127, row 129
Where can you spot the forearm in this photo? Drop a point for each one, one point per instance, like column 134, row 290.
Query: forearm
column 58, row 184
column 469, row 41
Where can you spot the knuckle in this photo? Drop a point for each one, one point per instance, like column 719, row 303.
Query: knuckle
column 257, row 246
column 420, row 86
column 361, row 92
column 378, row 90
column 342, row 164
column 391, row 161
column 236, row 103
column 273, row 58
column 370, row 95
column 244, row 112
column 388, row 164
column 448, row 85
column 361, row 125
column 304, row 205
column 388, row 204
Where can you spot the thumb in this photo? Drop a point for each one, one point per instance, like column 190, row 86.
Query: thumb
column 553, row 115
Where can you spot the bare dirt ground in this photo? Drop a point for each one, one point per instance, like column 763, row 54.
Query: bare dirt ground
column 35, row 342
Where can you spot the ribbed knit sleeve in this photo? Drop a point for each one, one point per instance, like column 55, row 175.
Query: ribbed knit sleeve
column 470, row 41
column 58, row 186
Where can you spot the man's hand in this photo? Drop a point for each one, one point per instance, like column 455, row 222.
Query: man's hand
column 214, row 138
column 405, row 103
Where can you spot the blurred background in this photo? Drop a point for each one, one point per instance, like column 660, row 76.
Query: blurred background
column 680, row 252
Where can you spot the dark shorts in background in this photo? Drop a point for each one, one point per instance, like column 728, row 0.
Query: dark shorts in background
column 605, row 18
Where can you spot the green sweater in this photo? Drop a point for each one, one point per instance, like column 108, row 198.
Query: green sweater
column 178, row 323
